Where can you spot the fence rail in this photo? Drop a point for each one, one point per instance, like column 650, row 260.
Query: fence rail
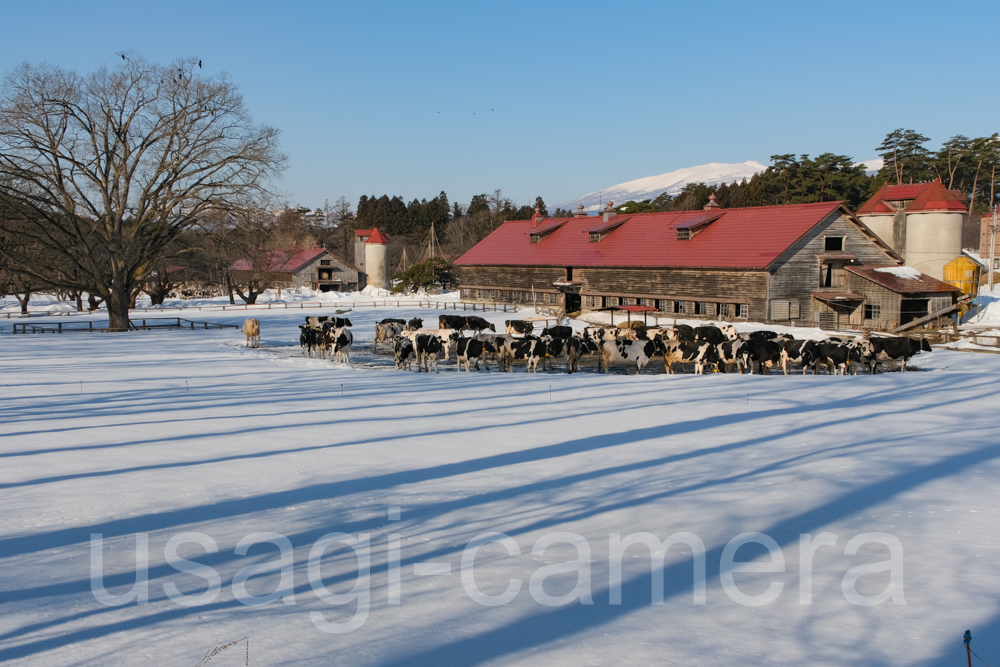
column 146, row 324
column 384, row 303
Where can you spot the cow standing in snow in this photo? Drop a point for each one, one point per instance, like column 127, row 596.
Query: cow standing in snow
column 251, row 329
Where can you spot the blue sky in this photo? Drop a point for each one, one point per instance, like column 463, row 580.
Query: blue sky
column 550, row 98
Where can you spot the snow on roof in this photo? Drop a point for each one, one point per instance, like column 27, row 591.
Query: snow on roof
column 905, row 272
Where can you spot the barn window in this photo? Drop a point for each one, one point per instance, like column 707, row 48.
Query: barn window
column 744, row 310
column 535, row 238
column 324, row 262
column 779, row 310
column 595, row 237
column 833, row 243
column 679, row 307
column 873, row 311
column 683, row 234
column 569, row 273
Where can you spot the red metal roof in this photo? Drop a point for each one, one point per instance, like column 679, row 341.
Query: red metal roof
column 936, row 197
column 377, row 237
column 739, row 238
column 905, row 191
column 912, row 285
column 282, row 261
column 876, row 204
column 362, row 232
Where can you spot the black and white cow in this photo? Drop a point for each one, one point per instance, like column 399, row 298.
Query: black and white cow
column 387, row 331
column 392, row 320
column 837, row 357
column 802, row 352
column 448, row 337
column 766, row 353
column 308, row 339
column 702, row 353
column 757, row 337
column 516, row 349
column 457, row 322
column 733, row 352
column 472, row 349
column 884, row 349
column 574, row 350
column 558, row 332
column 427, row 347
column 340, row 339
column 710, row 334
column 519, row 326
column 635, row 352
column 478, row 324
column 403, row 348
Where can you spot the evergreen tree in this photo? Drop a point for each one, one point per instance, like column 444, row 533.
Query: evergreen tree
column 540, row 205
column 905, row 157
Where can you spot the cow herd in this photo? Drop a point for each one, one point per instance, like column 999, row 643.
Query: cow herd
column 706, row 348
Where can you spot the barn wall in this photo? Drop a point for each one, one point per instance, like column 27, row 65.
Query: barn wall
column 877, row 295
column 687, row 285
column 796, row 273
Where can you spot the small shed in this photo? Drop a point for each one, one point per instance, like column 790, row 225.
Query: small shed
column 885, row 297
column 963, row 272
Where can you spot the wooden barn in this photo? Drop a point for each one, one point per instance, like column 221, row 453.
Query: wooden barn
column 315, row 268
column 790, row 264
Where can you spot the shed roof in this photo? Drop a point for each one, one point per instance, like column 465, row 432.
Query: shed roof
column 738, row 238
column 282, row 261
column 914, row 282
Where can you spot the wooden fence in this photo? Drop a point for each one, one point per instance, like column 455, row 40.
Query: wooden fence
column 146, row 324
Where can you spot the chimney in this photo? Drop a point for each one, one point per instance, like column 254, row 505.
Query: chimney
column 537, row 218
column 580, row 212
column 609, row 211
column 711, row 204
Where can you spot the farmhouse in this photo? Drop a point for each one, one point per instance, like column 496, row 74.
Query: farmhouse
column 801, row 264
column 315, row 268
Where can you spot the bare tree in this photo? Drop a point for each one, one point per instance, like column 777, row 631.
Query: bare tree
column 108, row 169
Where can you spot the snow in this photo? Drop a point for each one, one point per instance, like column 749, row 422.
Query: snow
column 904, row 272
column 671, row 182
column 872, row 166
column 173, row 432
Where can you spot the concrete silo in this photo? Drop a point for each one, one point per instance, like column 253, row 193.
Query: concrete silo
column 934, row 230
column 377, row 259
column 922, row 222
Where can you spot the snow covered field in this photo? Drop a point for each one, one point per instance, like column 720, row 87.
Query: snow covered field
column 188, row 439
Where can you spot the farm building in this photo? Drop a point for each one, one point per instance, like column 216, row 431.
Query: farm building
column 782, row 264
column 921, row 222
column 315, row 268
column 371, row 256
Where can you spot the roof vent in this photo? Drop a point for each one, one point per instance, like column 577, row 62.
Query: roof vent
column 580, row 212
column 689, row 228
column 712, row 204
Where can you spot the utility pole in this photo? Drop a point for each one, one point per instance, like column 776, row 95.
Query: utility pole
column 968, row 649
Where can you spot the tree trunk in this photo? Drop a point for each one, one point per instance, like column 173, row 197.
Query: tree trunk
column 23, row 302
column 229, row 288
column 93, row 303
column 117, row 303
column 79, row 302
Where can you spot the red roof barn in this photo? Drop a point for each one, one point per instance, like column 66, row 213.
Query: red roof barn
column 773, row 263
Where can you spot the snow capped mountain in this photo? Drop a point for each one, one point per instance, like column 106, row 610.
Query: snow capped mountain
column 872, row 166
column 671, row 182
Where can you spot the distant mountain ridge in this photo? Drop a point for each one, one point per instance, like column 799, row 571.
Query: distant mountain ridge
column 672, row 182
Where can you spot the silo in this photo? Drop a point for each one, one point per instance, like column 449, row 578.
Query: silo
column 881, row 224
column 377, row 259
column 934, row 230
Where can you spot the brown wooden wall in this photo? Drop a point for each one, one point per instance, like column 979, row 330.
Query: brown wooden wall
column 796, row 273
column 512, row 277
column 711, row 285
